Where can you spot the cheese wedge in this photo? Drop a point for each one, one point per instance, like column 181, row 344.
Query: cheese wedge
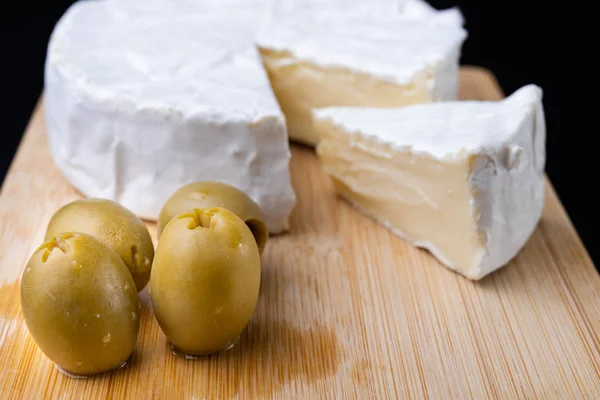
column 464, row 180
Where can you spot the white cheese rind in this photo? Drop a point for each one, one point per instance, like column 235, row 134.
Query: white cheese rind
column 133, row 114
column 508, row 177
column 421, row 9
column 503, row 142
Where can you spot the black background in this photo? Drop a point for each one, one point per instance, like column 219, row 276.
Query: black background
column 522, row 42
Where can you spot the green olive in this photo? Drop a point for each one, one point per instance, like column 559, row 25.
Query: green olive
column 115, row 226
column 205, row 280
column 80, row 304
column 215, row 194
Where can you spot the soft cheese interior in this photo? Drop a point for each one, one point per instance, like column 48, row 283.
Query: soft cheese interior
column 321, row 61
column 462, row 179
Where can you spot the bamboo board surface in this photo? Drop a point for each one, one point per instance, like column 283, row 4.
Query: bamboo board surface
column 346, row 310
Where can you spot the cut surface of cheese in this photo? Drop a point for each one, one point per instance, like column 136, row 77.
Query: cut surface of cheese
column 464, row 180
column 144, row 97
column 317, row 61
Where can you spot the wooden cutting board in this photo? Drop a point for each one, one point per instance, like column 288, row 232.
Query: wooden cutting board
column 346, row 309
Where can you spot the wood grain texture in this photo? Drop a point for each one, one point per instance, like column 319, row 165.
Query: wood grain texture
column 346, row 310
